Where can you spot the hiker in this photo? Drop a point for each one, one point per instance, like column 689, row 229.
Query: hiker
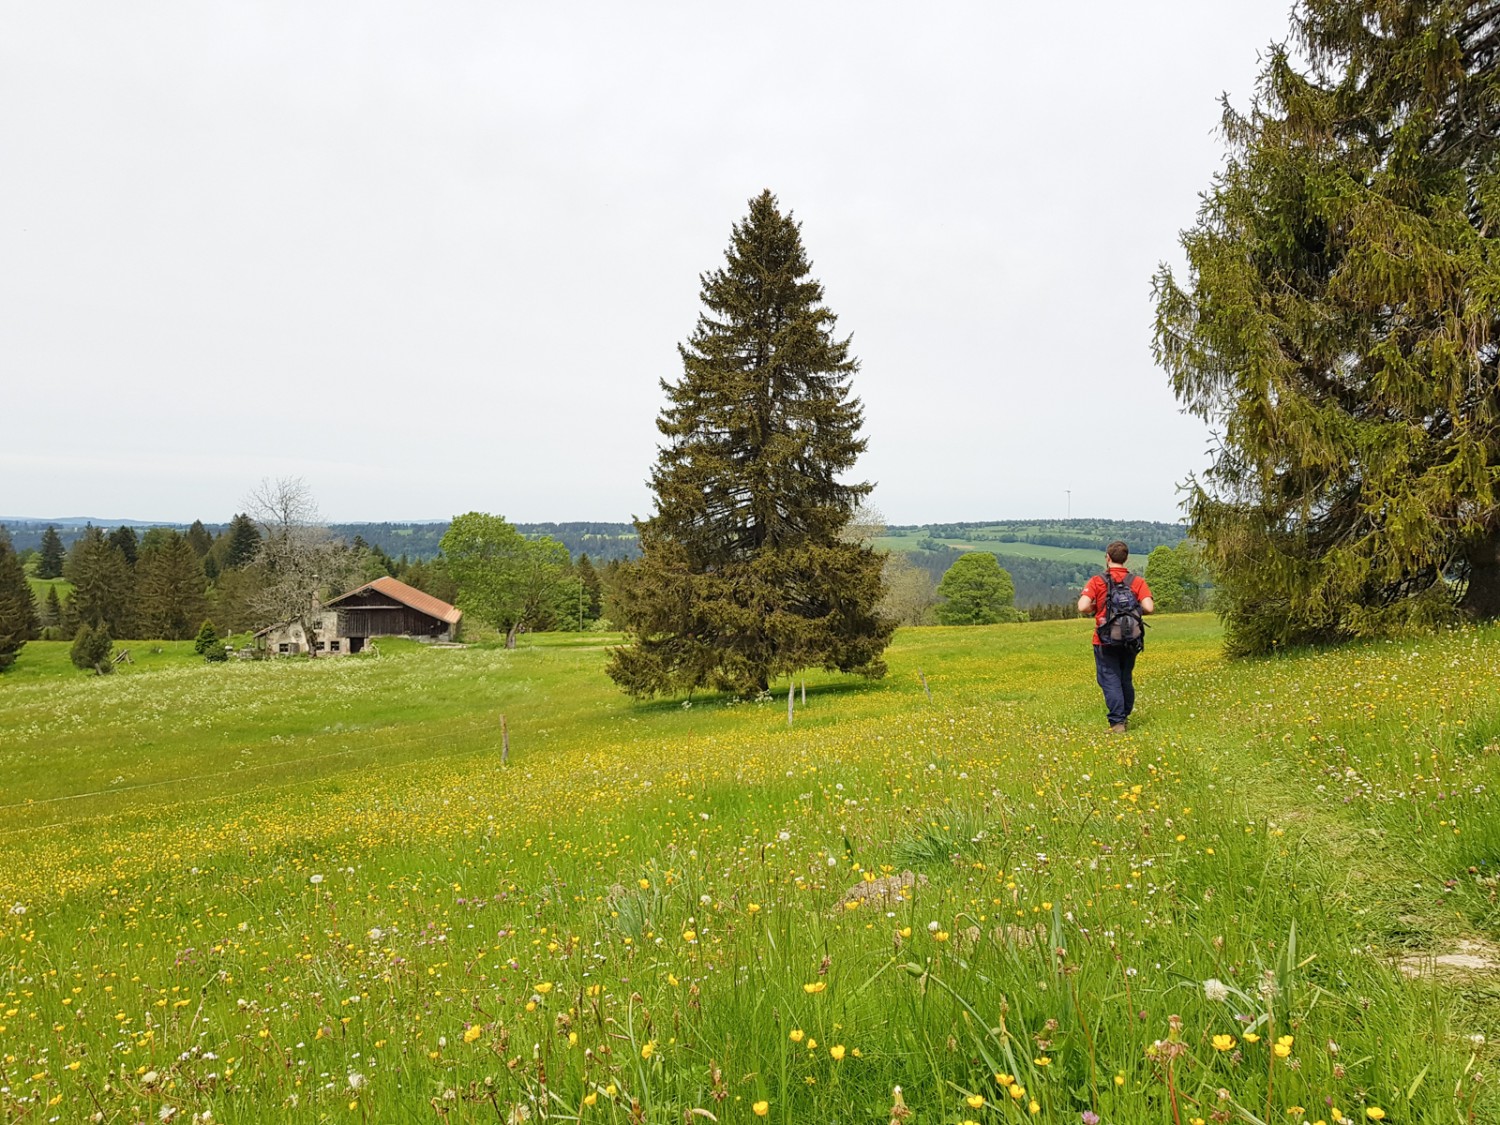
column 1118, row 601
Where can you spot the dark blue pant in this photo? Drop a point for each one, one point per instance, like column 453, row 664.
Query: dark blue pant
column 1113, row 668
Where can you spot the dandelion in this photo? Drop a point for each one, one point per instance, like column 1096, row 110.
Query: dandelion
column 472, row 1032
column 543, row 988
column 315, row 879
column 356, row 1080
column 1215, row 989
column 591, row 1097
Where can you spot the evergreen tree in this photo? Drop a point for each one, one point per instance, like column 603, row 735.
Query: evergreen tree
column 207, row 638
column 91, row 648
column 210, row 567
column 18, row 619
column 169, row 593
column 101, row 580
column 52, row 610
column 242, row 543
column 743, row 575
column 199, row 539
column 124, row 540
column 1338, row 326
column 51, row 564
column 589, row 577
column 976, row 590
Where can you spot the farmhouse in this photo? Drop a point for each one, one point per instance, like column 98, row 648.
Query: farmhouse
column 382, row 608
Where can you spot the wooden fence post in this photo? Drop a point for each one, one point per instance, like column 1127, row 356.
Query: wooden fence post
column 504, row 742
column 790, row 689
column 925, row 688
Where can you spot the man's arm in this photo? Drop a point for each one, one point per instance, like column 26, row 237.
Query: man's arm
column 1085, row 604
column 1148, row 604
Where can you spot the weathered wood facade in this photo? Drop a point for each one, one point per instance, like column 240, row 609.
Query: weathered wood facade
column 382, row 608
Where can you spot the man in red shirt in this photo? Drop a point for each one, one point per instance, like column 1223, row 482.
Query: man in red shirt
column 1114, row 664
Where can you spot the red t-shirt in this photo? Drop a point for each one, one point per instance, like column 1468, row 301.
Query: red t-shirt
column 1096, row 590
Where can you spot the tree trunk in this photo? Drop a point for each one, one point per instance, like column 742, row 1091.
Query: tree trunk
column 312, row 638
column 1481, row 599
column 510, row 637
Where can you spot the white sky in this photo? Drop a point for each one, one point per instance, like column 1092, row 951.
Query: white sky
column 434, row 257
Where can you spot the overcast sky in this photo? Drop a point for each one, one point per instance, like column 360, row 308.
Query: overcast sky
column 435, row 257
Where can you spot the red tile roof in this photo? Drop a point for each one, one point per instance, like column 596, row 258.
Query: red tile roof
column 408, row 596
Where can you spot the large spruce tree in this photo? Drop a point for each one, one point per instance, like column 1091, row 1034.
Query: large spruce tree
column 241, row 543
column 50, row 565
column 170, row 602
column 743, row 574
column 102, row 582
column 18, row 618
column 1340, row 328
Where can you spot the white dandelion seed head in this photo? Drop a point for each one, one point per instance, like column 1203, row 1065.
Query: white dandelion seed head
column 315, row 879
column 1215, row 989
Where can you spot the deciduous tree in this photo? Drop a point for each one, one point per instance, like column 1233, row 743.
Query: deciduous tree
column 1339, row 325
column 503, row 578
column 743, row 574
column 976, row 590
column 298, row 557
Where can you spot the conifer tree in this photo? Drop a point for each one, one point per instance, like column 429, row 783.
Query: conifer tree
column 589, row 577
column 242, row 543
column 743, row 575
column 50, row 565
column 199, row 539
column 207, row 638
column 102, row 584
column 125, row 540
column 169, row 591
column 52, row 609
column 1339, row 326
column 18, row 619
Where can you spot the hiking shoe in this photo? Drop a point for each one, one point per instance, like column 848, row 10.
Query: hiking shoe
column 1118, row 728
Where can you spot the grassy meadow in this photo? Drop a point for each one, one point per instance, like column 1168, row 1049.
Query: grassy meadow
column 310, row 890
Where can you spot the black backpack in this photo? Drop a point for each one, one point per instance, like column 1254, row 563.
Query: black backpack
column 1124, row 626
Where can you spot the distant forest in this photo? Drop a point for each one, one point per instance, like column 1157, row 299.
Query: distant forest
column 1038, row 581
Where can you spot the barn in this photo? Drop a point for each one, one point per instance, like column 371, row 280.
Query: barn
column 385, row 607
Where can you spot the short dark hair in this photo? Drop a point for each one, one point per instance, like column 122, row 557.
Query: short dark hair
column 1117, row 551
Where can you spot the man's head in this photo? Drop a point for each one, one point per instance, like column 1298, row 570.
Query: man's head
column 1117, row 552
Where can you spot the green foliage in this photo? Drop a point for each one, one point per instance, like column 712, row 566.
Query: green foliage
column 52, row 610
column 207, row 639
column 743, row 574
column 910, row 593
column 241, row 543
column 504, row 579
column 91, row 648
column 170, row 587
column 50, row 565
column 976, row 591
column 125, row 540
column 102, row 582
column 199, row 539
column 1168, row 582
column 18, row 617
column 1338, row 326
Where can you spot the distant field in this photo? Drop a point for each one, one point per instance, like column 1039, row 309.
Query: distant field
column 39, row 587
column 310, row 891
column 1020, row 550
